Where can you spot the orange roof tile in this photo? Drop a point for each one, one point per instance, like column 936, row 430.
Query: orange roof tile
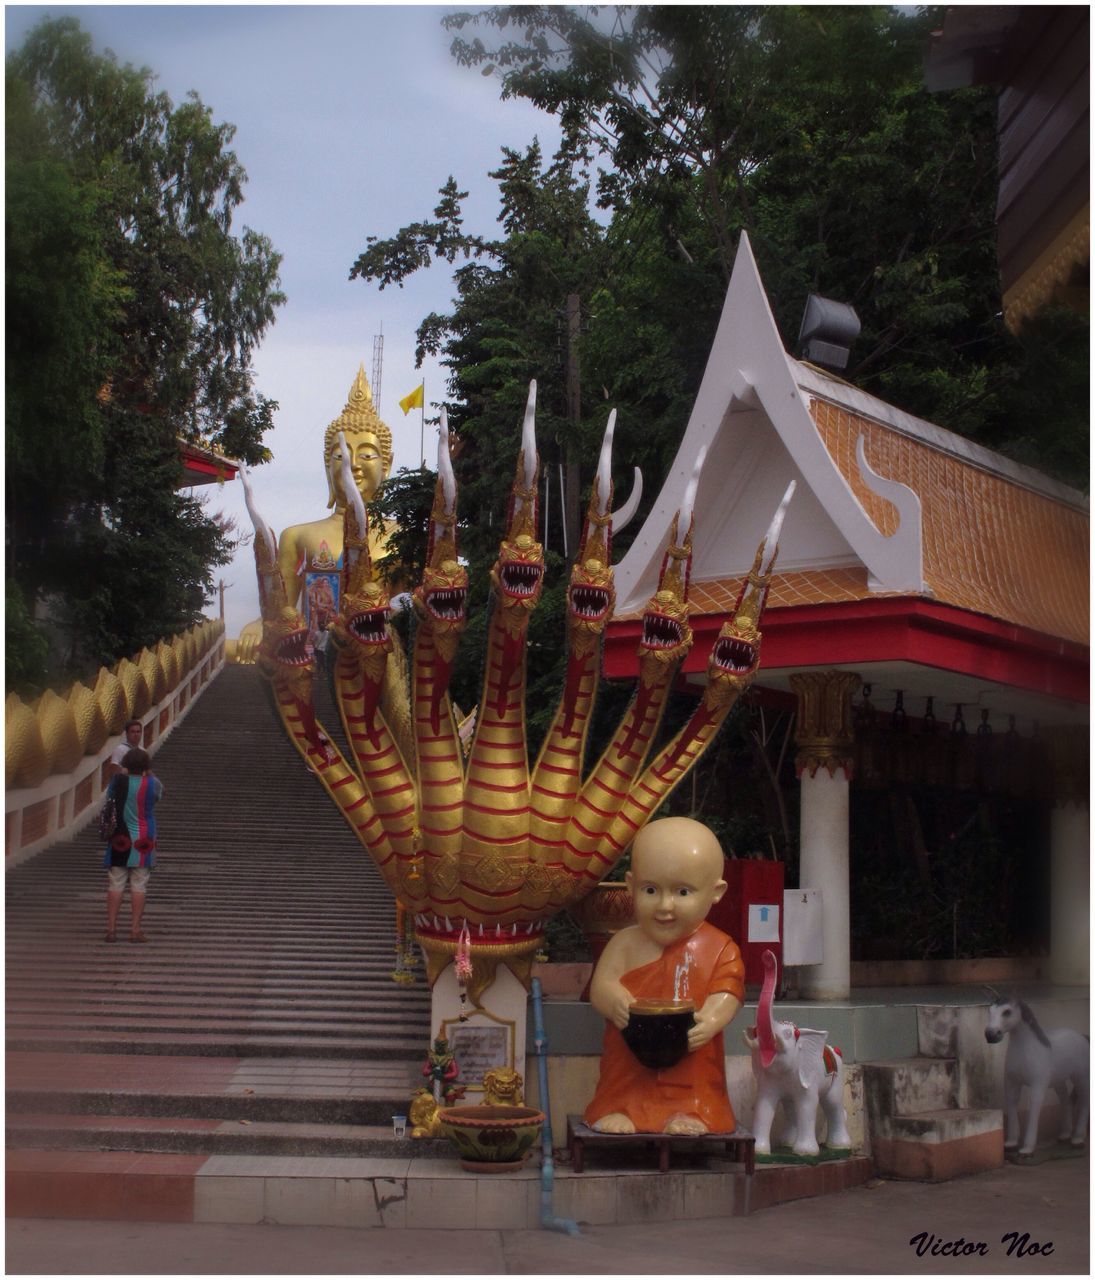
column 816, row 586
column 812, row 586
column 989, row 544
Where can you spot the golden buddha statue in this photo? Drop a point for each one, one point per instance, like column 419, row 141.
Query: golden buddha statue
column 310, row 555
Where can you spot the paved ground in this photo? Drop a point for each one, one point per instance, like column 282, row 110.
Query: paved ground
column 866, row 1231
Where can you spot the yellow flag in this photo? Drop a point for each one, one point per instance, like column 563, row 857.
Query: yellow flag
column 414, row 400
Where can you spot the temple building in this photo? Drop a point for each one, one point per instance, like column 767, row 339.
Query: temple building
column 204, row 466
column 919, row 576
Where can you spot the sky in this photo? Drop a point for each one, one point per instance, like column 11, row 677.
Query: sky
column 349, row 118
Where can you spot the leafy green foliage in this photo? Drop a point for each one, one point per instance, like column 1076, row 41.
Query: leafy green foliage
column 807, row 127
column 401, row 511
column 391, row 261
column 508, row 318
column 25, row 648
column 810, row 128
column 133, row 314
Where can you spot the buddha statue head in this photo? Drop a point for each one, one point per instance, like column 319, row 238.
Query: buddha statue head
column 368, row 440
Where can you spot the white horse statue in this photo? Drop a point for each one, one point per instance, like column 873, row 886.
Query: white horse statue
column 1057, row 1060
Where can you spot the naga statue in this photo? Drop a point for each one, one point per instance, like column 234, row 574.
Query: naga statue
column 482, row 846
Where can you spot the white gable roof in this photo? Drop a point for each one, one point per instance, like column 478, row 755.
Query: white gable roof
column 754, row 418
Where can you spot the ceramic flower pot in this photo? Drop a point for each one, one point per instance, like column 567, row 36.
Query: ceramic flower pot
column 491, row 1139
column 657, row 1031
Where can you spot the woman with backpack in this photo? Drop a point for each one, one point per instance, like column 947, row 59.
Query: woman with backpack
column 131, row 839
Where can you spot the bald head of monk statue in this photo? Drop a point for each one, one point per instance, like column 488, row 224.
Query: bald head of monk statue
column 675, row 877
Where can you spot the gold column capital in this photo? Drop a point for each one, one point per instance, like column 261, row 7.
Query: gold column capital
column 823, row 731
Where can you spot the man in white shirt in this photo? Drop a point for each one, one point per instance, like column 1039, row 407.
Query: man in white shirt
column 130, row 739
column 322, row 639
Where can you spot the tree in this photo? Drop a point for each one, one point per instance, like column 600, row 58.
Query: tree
column 133, row 315
column 809, row 127
column 504, row 330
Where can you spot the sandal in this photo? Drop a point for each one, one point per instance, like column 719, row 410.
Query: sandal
column 111, row 936
column 138, row 937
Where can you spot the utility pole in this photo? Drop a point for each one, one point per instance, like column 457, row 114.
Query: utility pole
column 572, row 509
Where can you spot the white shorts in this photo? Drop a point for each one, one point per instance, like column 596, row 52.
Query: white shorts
column 137, row 877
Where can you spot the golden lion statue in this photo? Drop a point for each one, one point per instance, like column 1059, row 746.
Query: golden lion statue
column 422, row 1114
column 502, row 1087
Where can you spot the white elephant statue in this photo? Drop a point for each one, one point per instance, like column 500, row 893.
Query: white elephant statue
column 793, row 1065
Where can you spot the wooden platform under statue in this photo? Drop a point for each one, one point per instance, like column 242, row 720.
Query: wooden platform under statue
column 738, row 1146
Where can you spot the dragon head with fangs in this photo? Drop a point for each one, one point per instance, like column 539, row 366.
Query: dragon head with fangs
column 363, row 618
column 518, row 574
column 440, row 600
column 284, row 650
column 733, row 661
column 590, row 598
column 666, row 635
column 591, row 594
column 286, row 659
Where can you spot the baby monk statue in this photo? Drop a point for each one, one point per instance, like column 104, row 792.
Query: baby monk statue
column 671, row 953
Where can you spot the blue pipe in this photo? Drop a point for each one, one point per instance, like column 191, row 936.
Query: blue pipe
column 548, row 1220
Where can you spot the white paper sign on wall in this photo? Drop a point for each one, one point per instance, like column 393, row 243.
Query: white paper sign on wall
column 763, row 922
column 802, row 937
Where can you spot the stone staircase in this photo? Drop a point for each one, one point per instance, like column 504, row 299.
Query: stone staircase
column 924, row 1113
column 261, row 1016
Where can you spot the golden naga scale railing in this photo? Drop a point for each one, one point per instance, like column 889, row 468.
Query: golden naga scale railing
column 56, row 749
column 489, row 842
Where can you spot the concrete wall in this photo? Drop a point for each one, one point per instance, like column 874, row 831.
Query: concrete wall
column 947, row 1031
column 864, row 1033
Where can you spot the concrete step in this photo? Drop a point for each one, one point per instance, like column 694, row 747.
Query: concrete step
column 43, row 1131
column 263, row 996
column 918, row 1131
column 372, row 1001
column 949, row 1125
column 404, row 1192
column 249, row 1024
column 908, row 1086
column 239, row 1046
column 359, row 989
column 306, row 1104
column 298, row 1089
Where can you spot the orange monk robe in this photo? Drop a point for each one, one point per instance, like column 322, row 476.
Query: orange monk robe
column 696, row 1086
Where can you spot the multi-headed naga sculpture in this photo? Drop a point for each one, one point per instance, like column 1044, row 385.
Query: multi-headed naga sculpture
column 489, row 842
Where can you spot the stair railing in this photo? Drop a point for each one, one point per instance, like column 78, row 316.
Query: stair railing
column 57, row 753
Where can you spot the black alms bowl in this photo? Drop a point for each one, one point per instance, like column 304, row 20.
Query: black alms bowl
column 657, row 1031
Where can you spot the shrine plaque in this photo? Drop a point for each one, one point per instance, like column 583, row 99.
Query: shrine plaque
column 478, row 1049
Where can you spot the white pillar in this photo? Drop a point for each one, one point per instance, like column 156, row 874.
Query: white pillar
column 1069, row 894
column 823, row 735
column 823, row 864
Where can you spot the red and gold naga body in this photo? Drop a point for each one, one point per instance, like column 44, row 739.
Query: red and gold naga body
column 485, row 840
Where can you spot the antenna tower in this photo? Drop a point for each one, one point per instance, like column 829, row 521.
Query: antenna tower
column 378, row 363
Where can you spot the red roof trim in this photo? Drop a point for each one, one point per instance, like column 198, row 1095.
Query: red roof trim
column 894, row 629
column 225, row 469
